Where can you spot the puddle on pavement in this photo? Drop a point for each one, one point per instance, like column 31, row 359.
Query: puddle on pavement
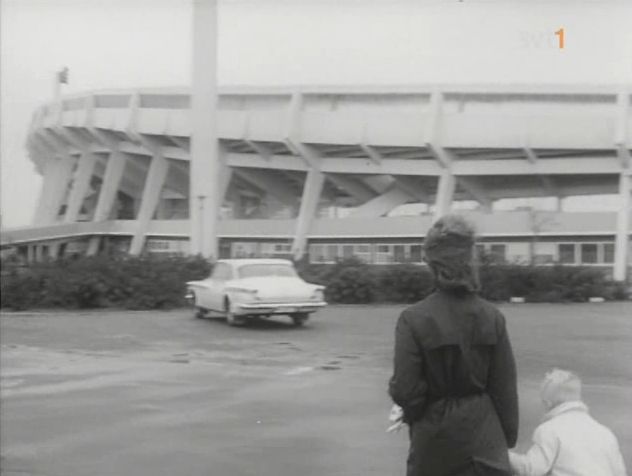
column 180, row 361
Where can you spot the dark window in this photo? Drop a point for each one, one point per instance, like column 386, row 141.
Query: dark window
column 566, row 253
column 415, row 253
column 347, row 251
column 608, row 253
column 589, row 253
column 363, row 248
column 498, row 251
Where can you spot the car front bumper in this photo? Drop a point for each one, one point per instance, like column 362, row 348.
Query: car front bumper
column 278, row 308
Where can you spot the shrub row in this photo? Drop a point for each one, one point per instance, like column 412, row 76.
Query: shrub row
column 102, row 281
column 354, row 282
column 159, row 282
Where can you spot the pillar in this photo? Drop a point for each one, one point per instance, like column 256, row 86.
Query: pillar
column 39, row 253
column 107, row 195
column 309, row 203
column 623, row 229
column 56, row 177
column 80, row 185
column 151, row 194
column 43, row 201
column 445, row 193
column 226, row 175
column 204, row 170
column 382, row 204
column 110, row 185
column 30, row 253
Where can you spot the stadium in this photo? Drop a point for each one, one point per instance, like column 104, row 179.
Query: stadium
column 320, row 172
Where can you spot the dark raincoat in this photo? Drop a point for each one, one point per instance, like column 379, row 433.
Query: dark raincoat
column 455, row 379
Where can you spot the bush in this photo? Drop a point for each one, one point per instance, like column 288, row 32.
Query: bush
column 353, row 285
column 146, row 282
column 351, row 281
column 403, row 283
column 546, row 284
column 154, row 282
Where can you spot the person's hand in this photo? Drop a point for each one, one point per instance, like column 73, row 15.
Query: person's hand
column 396, row 418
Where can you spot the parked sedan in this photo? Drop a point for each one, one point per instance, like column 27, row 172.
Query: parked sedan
column 249, row 288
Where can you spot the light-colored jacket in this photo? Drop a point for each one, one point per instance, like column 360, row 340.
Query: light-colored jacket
column 570, row 443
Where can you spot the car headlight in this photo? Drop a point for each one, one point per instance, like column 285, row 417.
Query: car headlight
column 318, row 295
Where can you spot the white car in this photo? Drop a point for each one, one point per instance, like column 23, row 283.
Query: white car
column 250, row 288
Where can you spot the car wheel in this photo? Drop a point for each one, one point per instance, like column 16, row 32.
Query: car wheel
column 299, row 318
column 231, row 318
column 200, row 312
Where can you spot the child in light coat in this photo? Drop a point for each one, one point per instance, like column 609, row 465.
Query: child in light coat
column 569, row 442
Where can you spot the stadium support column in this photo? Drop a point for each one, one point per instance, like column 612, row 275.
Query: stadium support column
column 225, row 176
column 46, row 190
column 151, row 194
column 382, row 204
column 205, row 165
column 309, row 203
column 447, row 181
column 57, row 176
column 445, row 193
column 107, row 195
column 80, row 185
column 623, row 228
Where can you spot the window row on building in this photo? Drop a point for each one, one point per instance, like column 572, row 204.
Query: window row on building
column 382, row 253
column 578, row 253
column 586, row 253
column 544, row 252
column 255, row 249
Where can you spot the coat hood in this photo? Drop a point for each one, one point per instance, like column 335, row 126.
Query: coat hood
column 449, row 251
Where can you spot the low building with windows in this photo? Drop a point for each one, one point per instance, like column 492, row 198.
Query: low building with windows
column 586, row 239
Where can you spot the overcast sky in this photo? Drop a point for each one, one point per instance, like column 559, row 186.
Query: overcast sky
column 136, row 43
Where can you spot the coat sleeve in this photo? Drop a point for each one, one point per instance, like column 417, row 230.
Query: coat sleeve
column 408, row 386
column 617, row 464
column 502, row 386
column 540, row 458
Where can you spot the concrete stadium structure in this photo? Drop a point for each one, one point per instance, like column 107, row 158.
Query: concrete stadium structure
column 116, row 168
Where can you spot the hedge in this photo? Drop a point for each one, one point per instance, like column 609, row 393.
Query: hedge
column 102, row 281
column 352, row 281
column 153, row 282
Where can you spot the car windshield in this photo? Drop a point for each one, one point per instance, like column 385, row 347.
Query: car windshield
column 262, row 270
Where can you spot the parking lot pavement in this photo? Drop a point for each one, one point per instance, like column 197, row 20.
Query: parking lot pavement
column 162, row 393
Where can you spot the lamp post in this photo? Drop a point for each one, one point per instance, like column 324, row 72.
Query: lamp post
column 61, row 77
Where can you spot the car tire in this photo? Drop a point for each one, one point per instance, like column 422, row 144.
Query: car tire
column 299, row 318
column 200, row 312
column 231, row 319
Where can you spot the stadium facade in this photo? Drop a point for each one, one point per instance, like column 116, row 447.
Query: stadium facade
column 291, row 161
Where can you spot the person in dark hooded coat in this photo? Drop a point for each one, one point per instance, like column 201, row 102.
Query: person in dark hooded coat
column 454, row 372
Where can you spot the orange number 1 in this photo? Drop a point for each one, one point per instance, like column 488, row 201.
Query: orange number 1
column 560, row 33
